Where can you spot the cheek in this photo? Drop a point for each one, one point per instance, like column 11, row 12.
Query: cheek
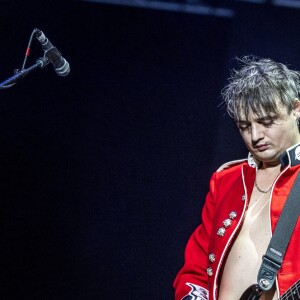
column 246, row 138
column 284, row 136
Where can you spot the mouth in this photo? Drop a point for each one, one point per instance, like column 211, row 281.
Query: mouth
column 262, row 147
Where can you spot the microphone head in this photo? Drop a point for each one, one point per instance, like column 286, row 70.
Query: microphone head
column 40, row 36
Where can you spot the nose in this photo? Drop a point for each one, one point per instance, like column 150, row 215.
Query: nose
column 257, row 132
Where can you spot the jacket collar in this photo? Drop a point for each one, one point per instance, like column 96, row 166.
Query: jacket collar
column 291, row 157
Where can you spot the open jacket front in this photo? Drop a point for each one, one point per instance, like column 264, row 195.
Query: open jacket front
column 222, row 217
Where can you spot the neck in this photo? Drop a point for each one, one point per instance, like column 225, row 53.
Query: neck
column 271, row 166
column 266, row 176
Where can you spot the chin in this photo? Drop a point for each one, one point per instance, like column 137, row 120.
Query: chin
column 267, row 157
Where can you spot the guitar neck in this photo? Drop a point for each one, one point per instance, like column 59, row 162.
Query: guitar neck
column 293, row 293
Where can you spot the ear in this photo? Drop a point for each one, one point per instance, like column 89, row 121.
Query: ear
column 297, row 108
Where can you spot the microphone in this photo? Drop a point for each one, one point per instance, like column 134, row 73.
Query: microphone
column 60, row 65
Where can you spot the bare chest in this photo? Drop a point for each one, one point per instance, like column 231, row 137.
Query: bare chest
column 243, row 262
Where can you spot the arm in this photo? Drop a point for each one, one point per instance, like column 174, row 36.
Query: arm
column 192, row 278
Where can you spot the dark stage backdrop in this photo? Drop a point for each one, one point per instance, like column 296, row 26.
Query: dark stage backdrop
column 104, row 172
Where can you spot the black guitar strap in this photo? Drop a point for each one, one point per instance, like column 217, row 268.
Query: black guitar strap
column 273, row 258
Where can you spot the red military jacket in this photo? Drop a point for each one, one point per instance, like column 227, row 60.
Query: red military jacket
column 222, row 217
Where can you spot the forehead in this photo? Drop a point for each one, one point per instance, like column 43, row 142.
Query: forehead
column 257, row 116
column 259, row 112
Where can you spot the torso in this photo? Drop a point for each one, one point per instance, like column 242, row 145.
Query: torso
column 244, row 260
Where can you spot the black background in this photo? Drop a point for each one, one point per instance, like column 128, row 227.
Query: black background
column 104, row 172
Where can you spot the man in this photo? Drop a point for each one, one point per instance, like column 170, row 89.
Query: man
column 224, row 254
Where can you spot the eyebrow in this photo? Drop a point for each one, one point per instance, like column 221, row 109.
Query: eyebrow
column 261, row 119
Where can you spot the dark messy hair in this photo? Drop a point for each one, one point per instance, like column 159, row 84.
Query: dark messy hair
column 258, row 85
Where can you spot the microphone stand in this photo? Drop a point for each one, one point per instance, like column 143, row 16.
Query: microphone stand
column 40, row 63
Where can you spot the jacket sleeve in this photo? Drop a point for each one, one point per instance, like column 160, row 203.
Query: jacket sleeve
column 192, row 279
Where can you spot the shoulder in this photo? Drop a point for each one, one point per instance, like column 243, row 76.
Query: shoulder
column 232, row 165
column 250, row 161
column 227, row 175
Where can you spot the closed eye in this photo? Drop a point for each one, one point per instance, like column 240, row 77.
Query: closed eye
column 243, row 125
column 264, row 121
column 267, row 121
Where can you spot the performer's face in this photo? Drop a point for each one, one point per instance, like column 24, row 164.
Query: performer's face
column 268, row 136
